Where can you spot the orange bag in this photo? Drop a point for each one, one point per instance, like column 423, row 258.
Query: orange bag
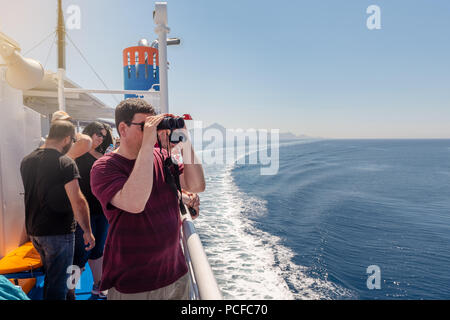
column 24, row 258
column 25, row 284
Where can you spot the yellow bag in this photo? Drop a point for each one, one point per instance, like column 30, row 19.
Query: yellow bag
column 24, row 258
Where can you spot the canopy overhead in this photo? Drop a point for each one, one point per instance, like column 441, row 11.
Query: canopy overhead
column 80, row 106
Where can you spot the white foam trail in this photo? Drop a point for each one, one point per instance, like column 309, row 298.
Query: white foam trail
column 247, row 262
column 242, row 265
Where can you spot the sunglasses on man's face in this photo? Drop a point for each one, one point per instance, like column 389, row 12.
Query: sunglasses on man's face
column 142, row 124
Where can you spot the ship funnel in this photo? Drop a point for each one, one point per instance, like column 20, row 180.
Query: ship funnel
column 22, row 73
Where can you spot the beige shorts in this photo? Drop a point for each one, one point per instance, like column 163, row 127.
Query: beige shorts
column 179, row 290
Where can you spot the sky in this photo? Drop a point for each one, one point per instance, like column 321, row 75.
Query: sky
column 308, row 67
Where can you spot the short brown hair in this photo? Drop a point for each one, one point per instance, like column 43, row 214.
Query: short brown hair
column 126, row 110
column 61, row 129
column 61, row 115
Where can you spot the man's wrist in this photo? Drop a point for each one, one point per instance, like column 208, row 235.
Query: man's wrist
column 147, row 148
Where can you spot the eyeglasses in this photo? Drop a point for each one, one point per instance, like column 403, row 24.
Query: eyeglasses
column 142, row 124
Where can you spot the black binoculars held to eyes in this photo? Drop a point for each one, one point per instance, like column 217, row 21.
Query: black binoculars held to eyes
column 171, row 124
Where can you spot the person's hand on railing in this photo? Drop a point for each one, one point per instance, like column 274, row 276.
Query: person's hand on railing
column 192, row 200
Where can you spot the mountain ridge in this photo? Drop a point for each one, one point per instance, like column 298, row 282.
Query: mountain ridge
column 283, row 135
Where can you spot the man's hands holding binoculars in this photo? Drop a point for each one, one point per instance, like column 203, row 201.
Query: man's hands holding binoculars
column 162, row 126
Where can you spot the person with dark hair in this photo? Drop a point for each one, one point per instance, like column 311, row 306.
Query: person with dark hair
column 108, row 142
column 53, row 202
column 101, row 138
column 82, row 142
column 127, row 109
column 143, row 258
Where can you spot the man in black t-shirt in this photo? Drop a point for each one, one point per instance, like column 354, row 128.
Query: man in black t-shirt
column 53, row 201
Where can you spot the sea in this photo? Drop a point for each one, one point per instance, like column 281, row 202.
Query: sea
column 341, row 219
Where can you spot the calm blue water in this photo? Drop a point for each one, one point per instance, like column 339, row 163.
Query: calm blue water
column 343, row 205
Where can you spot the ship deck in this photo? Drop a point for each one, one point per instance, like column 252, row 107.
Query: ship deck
column 83, row 293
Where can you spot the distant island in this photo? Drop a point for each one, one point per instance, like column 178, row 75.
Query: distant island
column 291, row 136
column 283, row 135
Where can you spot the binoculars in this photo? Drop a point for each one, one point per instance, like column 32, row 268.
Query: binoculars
column 171, row 124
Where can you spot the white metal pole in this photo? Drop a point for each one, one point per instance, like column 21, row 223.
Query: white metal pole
column 162, row 30
column 61, row 97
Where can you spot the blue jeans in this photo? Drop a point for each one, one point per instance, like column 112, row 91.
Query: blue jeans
column 57, row 255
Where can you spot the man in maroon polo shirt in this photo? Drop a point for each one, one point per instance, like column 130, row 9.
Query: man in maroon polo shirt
column 143, row 258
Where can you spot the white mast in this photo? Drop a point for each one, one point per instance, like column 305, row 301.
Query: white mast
column 160, row 18
column 61, row 57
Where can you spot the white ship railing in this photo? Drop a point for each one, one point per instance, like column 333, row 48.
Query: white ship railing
column 203, row 282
